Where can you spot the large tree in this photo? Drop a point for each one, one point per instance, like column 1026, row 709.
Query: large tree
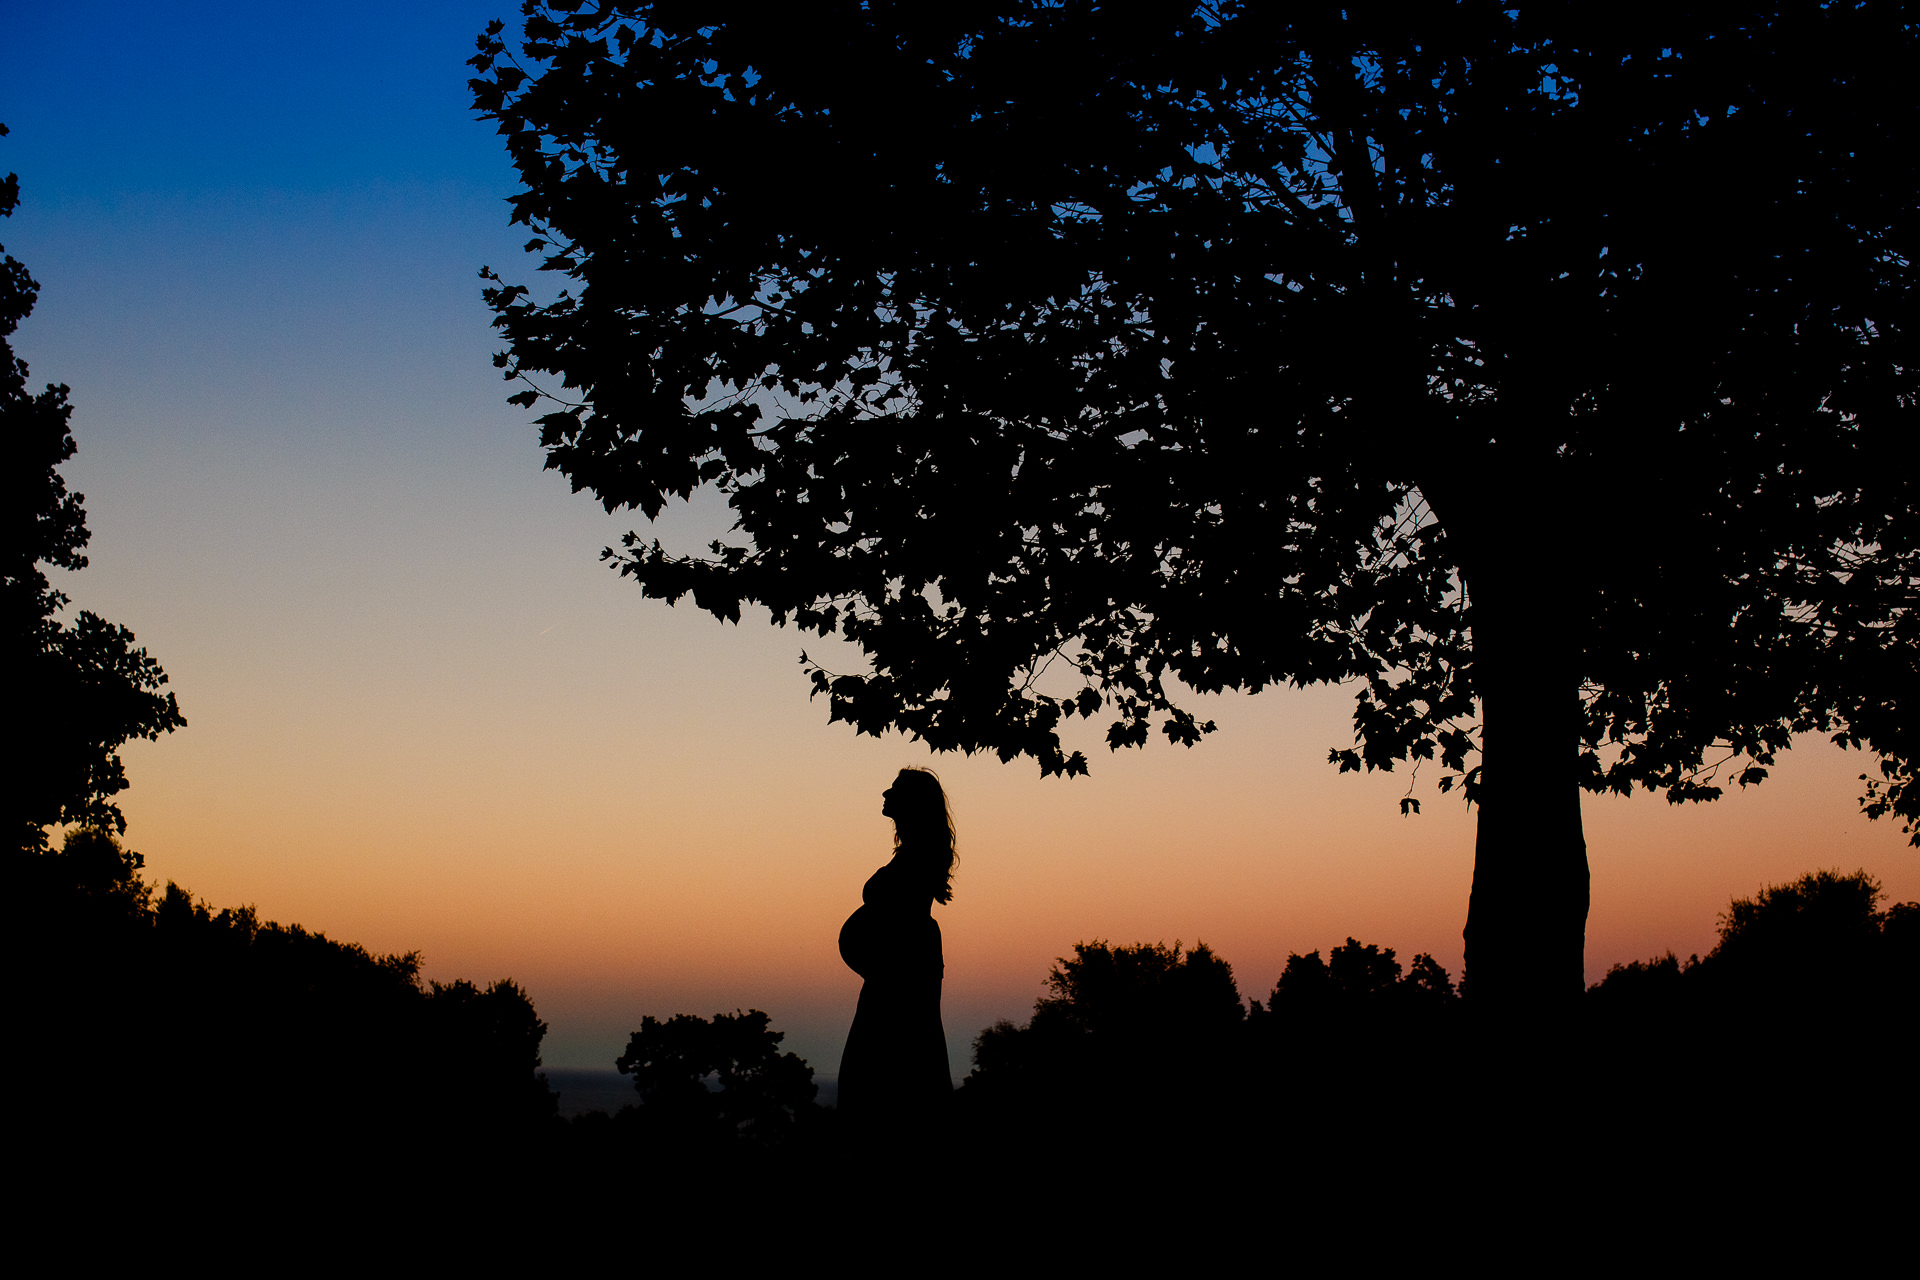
column 1544, row 367
column 78, row 690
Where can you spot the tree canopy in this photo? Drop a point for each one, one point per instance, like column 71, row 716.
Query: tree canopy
column 81, row 689
column 1541, row 369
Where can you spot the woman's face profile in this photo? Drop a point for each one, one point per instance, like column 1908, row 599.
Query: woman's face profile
column 890, row 801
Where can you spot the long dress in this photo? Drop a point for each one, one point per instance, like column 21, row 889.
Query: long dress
column 895, row 1064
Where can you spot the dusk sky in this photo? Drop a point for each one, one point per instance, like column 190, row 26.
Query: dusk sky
column 423, row 715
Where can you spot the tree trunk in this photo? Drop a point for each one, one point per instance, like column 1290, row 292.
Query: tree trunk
column 1527, row 917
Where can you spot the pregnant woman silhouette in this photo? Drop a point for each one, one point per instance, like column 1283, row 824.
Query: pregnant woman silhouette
column 895, row 1065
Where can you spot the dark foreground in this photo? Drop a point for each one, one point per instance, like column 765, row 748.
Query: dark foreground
column 1754, row 1103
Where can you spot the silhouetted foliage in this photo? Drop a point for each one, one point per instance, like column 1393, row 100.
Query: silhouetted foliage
column 1116, row 1016
column 1354, row 1059
column 1647, row 986
column 1900, row 929
column 488, row 1038
column 1818, row 946
column 1149, row 1009
column 757, row 1091
column 1233, row 344
column 1356, row 980
column 1427, row 982
column 1811, row 994
column 1814, row 952
column 1149, row 989
column 91, row 866
column 1144, row 1051
column 1347, row 1025
column 1809, row 983
column 210, row 1030
column 78, row 690
column 1823, row 919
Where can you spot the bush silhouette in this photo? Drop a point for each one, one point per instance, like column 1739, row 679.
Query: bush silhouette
column 703, row 1082
column 182, row 1023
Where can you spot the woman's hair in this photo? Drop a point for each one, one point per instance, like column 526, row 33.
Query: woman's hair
column 924, row 827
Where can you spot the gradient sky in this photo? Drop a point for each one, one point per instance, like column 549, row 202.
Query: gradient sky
column 422, row 715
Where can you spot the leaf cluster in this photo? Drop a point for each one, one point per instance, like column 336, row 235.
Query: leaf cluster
column 1061, row 356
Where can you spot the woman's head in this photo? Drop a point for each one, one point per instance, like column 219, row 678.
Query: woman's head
column 922, row 823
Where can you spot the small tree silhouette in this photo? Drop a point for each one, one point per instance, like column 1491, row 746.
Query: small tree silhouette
column 1358, row 976
column 1116, row 1015
column 702, row 1081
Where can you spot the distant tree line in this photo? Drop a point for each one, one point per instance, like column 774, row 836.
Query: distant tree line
column 1148, row 1048
column 1811, row 985
column 190, row 1026
column 175, row 1027
column 1147, row 1051
column 1819, row 946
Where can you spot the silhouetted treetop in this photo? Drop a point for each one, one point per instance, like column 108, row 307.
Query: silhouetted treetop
column 1816, row 937
column 1358, row 977
column 1817, row 946
column 1148, row 989
column 1529, row 365
column 78, row 690
column 176, row 1021
column 1113, row 1017
column 757, row 1090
